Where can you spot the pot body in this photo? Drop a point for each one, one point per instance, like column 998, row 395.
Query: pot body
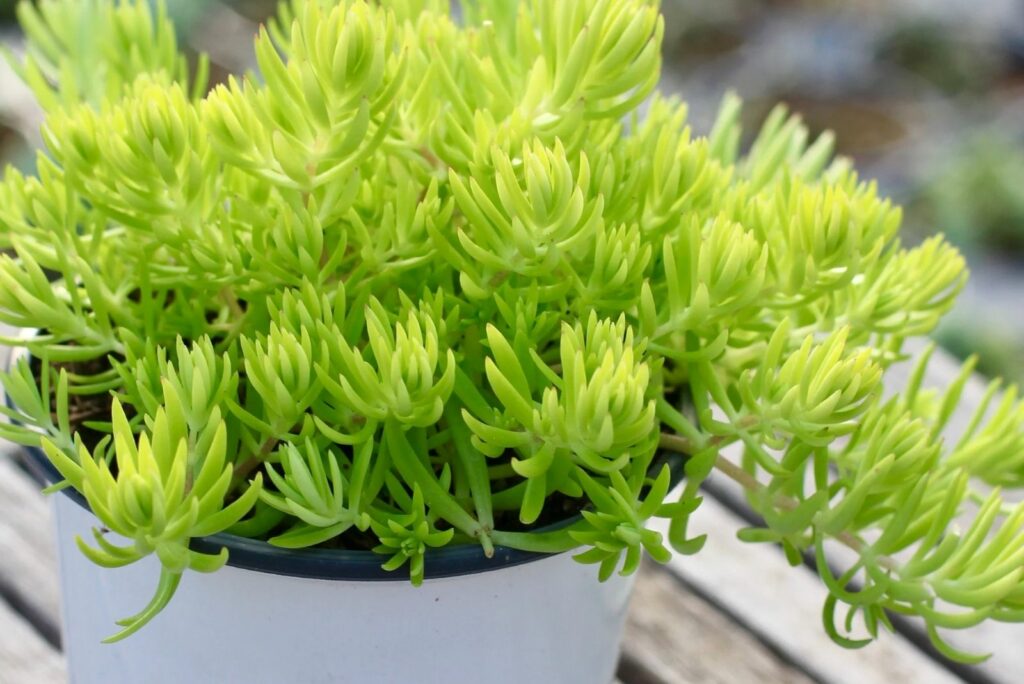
column 546, row 621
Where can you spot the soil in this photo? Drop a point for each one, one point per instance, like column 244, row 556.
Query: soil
column 83, row 409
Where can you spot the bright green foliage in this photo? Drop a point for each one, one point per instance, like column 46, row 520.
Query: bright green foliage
column 420, row 280
column 314, row 496
column 91, row 50
column 404, row 383
column 169, row 487
column 407, row 536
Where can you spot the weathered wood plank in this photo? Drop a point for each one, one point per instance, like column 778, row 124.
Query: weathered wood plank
column 226, row 36
column 782, row 604
column 25, row 657
column 28, row 564
column 675, row 637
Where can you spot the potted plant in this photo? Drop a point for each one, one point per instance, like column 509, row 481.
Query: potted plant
column 442, row 300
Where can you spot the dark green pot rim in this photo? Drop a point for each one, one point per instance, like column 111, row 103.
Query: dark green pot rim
column 342, row 564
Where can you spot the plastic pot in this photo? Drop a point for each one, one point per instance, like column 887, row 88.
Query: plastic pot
column 274, row 615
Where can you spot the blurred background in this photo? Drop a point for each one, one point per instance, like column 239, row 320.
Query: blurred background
column 925, row 95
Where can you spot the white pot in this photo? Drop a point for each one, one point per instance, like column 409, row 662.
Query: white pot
column 547, row 620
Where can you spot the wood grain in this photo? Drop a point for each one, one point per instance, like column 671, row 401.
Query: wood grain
column 675, row 637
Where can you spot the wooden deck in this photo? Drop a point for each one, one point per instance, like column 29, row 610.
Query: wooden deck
column 735, row 613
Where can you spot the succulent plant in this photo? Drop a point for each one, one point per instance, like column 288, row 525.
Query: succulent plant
column 427, row 281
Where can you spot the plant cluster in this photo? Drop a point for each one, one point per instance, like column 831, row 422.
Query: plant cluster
column 426, row 281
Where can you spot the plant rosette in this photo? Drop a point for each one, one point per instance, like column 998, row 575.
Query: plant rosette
column 426, row 285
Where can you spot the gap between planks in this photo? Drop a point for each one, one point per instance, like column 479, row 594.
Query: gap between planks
column 25, row 657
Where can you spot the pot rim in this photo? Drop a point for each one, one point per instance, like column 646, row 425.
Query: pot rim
column 340, row 564
column 346, row 564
